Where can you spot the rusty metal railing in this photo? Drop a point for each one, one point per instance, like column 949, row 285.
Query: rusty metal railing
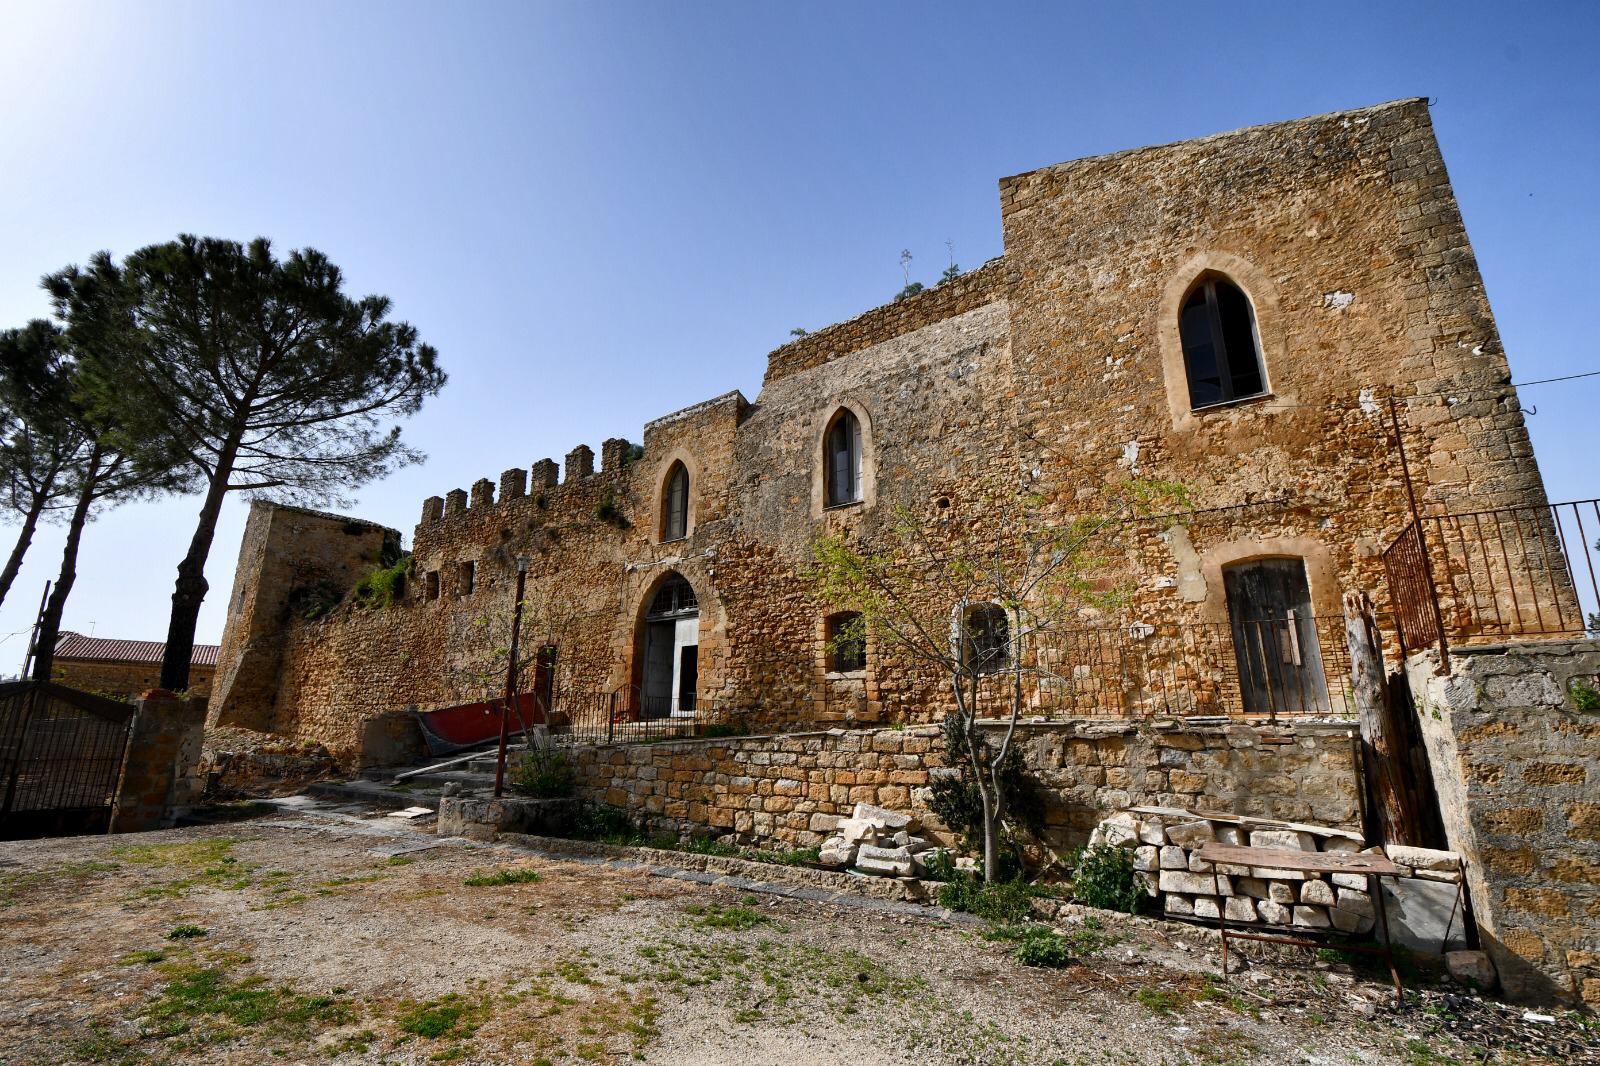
column 1505, row 574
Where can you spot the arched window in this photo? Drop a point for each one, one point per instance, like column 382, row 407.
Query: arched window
column 985, row 638
column 842, row 452
column 1220, row 352
column 847, row 642
column 675, row 509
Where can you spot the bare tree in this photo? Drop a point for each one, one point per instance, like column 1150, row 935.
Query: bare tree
column 970, row 601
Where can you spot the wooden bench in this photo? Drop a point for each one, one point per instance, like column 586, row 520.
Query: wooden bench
column 1311, row 862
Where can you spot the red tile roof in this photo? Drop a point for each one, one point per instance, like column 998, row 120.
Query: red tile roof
column 72, row 645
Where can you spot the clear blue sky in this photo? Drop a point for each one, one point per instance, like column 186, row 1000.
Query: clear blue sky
column 603, row 212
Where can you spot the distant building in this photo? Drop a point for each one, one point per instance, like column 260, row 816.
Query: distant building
column 125, row 667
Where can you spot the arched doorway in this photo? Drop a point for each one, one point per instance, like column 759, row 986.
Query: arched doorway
column 670, row 651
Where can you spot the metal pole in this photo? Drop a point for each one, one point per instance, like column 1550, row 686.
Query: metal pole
column 511, row 677
column 33, row 638
column 1422, row 539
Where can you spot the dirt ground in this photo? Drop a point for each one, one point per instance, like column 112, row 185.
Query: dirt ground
column 308, row 937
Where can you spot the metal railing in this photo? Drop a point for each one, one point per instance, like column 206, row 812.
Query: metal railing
column 579, row 718
column 1496, row 575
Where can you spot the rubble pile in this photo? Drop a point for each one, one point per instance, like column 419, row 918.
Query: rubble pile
column 1165, row 840
column 877, row 841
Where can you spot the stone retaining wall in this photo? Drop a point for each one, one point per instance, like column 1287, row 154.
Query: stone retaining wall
column 1516, row 762
column 791, row 790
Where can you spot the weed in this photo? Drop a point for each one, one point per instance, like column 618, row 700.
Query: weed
column 143, row 958
column 542, row 774
column 399, row 860
column 511, row 875
column 1158, row 1000
column 186, row 932
column 1042, row 947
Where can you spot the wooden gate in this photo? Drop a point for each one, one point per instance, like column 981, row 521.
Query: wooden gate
column 61, row 755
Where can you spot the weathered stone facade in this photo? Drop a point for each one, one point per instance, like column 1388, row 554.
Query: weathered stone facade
column 791, row 790
column 1056, row 368
column 1513, row 734
column 125, row 679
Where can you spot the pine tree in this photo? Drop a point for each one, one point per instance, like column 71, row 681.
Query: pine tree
column 261, row 372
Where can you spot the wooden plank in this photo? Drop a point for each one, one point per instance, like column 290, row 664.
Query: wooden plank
column 1339, row 862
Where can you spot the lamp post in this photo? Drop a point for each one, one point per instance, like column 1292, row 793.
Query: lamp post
column 511, row 677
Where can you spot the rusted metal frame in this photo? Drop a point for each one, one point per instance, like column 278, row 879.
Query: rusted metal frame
column 1549, row 570
column 1427, row 566
column 1583, row 540
column 1384, row 948
column 1511, row 578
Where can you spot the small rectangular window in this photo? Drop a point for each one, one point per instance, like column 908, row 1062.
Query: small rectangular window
column 469, row 573
column 431, row 583
column 847, row 643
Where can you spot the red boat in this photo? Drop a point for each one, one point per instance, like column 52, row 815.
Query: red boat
column 467, row 725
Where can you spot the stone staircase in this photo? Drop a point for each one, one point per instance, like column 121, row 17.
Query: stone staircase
column 383, row 787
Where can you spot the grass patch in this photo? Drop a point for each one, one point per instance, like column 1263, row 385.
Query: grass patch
column 510, row 875
column 450, row 1016
column 1159, row 1000
column 209, row 994
column 209, row 864
column 57, row 878
column 715, row 916
column 186, row 932
column 147, row 957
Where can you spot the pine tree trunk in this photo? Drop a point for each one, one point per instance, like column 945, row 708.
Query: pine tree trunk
column 30, row 522
column 44, row 654
column 189, row 592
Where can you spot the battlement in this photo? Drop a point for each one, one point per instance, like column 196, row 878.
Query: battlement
column 617, row 454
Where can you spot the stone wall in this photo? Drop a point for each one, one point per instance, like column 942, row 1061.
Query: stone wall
column 790, row 790
column 161, row 777
column 125, row 680
column 290, row 558
column 1515, row 751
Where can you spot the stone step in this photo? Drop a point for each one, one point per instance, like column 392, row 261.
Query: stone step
column 375, row 794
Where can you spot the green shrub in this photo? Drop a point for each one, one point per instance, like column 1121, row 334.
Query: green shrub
column 608, row 510
column 1585, row 697
column 543, row 774
column 1042, row 947
column 956, row 802
column 1002, row 902
column 1105, row 878
column 720, row 729
column 383, row 586
column 186, row 932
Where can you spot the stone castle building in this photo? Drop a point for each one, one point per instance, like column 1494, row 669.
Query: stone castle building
column 1250, row 315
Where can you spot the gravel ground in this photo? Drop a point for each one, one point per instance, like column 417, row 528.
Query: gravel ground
column 315, row 936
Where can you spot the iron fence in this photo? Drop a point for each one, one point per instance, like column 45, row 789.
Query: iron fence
column 578, row 717
column 1495, row 575
column 61, row 754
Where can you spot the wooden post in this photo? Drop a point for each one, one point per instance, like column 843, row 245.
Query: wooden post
column 1380, row 737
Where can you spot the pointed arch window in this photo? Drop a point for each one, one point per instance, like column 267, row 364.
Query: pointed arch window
column 842, row 453
column 1221, row 353
column 675, row 512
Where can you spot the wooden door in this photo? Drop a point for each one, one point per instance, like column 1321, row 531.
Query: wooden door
column 1275, row 638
